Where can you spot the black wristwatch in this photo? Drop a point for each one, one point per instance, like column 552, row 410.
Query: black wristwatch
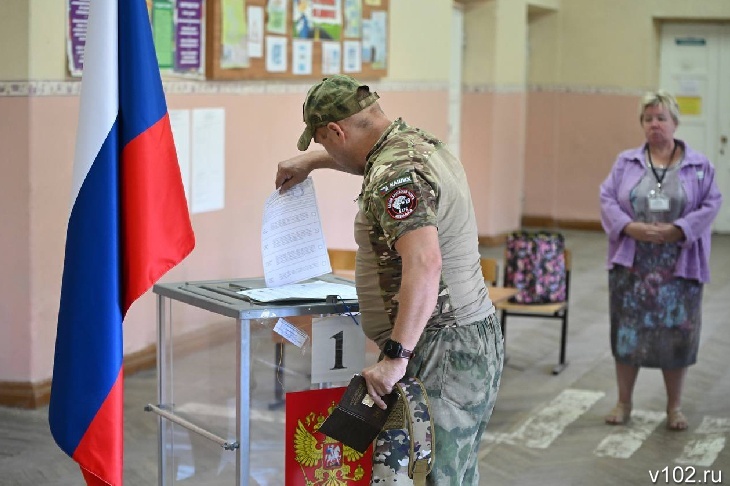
column 394, row 349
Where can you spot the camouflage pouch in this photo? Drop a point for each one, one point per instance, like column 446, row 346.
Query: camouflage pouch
column 403, row 451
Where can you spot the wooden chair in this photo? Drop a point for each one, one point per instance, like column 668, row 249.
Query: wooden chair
column 342, row 262
column 557, row 310
column 490, row 271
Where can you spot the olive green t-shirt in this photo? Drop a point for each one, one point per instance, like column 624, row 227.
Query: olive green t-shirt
column 411, row 181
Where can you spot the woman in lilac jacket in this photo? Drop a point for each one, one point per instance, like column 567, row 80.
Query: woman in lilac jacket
column 657, row 208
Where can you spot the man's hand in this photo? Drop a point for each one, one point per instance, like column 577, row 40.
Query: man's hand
column 292, row 171
column 382, row 377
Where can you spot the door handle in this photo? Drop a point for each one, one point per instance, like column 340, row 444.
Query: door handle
column 723, row 142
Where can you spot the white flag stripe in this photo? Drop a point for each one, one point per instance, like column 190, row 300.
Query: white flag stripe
column 624, row 441
column 100, row 82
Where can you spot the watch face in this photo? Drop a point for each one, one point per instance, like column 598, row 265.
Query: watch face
column 392, row 349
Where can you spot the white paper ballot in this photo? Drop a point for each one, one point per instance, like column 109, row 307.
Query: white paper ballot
column 292, row 242
column 317, row 290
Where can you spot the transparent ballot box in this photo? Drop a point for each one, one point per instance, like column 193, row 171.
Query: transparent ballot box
column 224, row 365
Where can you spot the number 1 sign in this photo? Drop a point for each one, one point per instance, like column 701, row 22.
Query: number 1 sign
column 338, row 348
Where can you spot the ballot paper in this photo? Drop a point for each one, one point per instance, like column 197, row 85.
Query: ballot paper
column 292, row 242
column 314, row 291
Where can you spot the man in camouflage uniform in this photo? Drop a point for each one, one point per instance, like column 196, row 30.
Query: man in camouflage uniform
column 418, row 276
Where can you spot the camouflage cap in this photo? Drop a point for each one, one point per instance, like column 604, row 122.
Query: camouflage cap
column 333, row 99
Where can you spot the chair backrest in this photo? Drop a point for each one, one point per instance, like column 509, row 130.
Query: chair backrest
column 538, row 264
column 490, row 271
column 342, row 259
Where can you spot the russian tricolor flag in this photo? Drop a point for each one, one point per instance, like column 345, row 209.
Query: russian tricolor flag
column 128, row 225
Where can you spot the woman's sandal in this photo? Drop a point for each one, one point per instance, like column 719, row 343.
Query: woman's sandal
column 619, row 415
column 676, row 420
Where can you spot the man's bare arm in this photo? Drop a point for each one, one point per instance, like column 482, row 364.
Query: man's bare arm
column 421, row 256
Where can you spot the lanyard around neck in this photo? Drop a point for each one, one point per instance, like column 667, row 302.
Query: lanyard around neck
column 659, row 180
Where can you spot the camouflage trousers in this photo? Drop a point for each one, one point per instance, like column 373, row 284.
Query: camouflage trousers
column 460, row 368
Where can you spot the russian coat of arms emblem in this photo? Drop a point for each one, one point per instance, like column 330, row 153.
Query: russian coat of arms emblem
column 312, row 458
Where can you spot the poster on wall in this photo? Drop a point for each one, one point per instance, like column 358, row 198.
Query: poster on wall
column 78, row 16
column 189, row 36
column 317, row 19
column 177, row 31
column 234, row 51
column 378, row 35
column 162, row 25
column 353, row 18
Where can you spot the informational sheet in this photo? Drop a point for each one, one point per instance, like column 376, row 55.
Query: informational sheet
column 378, row 38
column 78, row 17
column 301, row 56
column 209, row 175
column 367, row 42
column 189, row 36
column 162, row 26
column 331, row 56
column 255, row 31
column 180, row 125
column 292, row 242
column 351, row 60
column 275, row 54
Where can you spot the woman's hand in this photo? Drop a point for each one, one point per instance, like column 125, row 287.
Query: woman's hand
column 654, row 232
column 669, row 232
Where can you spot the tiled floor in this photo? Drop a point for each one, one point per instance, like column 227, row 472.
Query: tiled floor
column 546, row 430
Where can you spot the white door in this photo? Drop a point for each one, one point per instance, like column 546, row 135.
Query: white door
column 457, row 52
column 695, row 67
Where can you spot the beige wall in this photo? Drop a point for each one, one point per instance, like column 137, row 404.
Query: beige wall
column 420, row 40
column 608, row 43
column 589, row 63
column 47, row 39
column 15, row 254
column 14, row 37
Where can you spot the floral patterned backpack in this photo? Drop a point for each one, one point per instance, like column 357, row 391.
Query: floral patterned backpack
column 535, row 264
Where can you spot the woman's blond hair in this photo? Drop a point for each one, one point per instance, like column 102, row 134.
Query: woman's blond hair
column 659, row 97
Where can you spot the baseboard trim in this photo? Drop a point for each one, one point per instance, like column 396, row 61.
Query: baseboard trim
column 557, row 223
column 24, row 394
column 29, row 395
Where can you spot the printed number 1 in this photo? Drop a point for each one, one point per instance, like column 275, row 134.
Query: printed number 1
column 339, row 339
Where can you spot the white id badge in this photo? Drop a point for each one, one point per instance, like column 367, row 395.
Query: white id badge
column 658, row 203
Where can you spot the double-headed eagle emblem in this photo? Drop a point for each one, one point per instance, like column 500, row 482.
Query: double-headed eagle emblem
column 330, row 458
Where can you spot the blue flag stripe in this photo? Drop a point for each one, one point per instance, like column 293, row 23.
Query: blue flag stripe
column 90, row 316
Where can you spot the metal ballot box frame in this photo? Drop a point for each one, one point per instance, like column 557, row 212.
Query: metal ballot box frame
column 188, row 431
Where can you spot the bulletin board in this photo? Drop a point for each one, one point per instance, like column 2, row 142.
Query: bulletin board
column 229, row 50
